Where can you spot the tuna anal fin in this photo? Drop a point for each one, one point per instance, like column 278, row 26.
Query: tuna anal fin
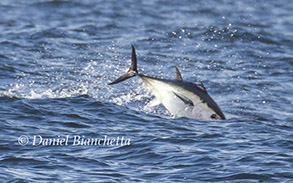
column 154, row 102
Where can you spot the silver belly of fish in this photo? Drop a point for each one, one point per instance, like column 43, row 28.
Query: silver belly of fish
column 166, row 95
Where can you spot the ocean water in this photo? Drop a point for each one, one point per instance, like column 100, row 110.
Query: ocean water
column 61, row 122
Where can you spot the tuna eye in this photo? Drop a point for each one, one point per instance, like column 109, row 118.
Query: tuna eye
column 214, row 116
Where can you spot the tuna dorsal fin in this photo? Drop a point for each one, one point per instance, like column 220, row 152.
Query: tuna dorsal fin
column 178, row 75
column 202, row 87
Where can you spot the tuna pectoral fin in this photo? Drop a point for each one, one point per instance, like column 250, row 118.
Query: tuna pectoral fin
column 129, row 74
column 154, row 103
column 184, row 99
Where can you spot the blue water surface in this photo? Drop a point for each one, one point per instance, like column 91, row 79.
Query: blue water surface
column 57, row 56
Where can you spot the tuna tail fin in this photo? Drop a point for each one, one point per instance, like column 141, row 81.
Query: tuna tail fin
column 132, row 71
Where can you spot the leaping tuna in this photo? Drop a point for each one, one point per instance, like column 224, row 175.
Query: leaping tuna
column 180, row 98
